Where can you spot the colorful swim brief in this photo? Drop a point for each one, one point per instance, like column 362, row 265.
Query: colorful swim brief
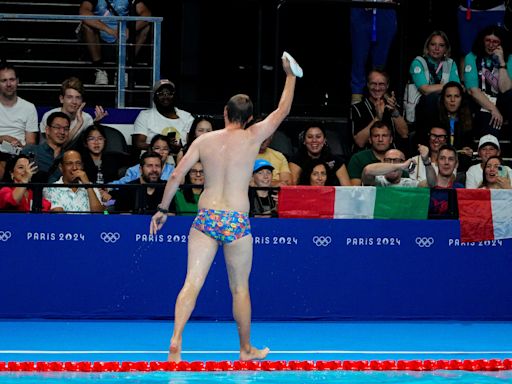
column 223, row 226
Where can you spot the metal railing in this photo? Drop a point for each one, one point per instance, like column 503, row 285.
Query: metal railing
column 140, row 201
column 121, row 42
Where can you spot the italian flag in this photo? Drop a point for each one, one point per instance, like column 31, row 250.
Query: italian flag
column 485, row 214
column 354, row 202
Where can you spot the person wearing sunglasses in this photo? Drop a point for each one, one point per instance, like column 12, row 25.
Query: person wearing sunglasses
column 164, row 118
column 389, row 173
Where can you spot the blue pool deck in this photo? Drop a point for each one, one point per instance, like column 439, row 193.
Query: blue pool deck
column 45, row 340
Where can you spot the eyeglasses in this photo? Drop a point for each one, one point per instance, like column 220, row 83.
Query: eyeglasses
column 95, row 138
column 165, row 92
column 199, row 172
column 438, row 137
column 60, row 128
column 393, row 160
column 492, row 41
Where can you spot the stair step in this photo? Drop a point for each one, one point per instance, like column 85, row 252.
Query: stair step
column 75, row 3
column 45, row 52
column 28, row 29
column 47, row 95
column 44, row 8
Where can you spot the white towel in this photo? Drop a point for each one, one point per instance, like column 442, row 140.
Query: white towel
column 295, row 67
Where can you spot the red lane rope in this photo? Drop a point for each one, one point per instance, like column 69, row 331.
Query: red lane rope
column 281, row 365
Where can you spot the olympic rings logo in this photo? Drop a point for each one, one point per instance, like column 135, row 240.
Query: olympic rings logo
column 322, row 241
column 5, row 235
column 424, row 242
column 110, row 237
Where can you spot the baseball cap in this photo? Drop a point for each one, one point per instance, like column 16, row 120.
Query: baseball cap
column 260, row 164
column 162, row 83
column 488, row 139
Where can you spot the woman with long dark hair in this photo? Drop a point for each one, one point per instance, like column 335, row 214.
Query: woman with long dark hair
column 455, row 117
column 201, row 125
column 19, row 170
column 314, row 146
column 495, row 174
column 186, row 198
column 100, row 166
column 317, row 173
column 488, row 79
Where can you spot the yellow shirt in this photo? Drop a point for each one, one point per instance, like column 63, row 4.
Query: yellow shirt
column 278, row 161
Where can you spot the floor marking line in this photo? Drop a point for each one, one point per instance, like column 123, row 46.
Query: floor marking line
column 204, row 352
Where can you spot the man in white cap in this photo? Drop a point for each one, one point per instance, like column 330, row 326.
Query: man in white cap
column 228, row 158
column 488, row 146
column 164, row 118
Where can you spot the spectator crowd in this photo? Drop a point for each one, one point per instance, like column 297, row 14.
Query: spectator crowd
column 445, row 130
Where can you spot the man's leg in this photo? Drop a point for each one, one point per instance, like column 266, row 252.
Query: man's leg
column 360, row 38
column 386, row 30
column 92, row 39
column 238, row 255
column 141, row 38
column 201, row 252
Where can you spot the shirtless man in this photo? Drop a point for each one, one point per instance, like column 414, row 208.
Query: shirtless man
column 228, row 157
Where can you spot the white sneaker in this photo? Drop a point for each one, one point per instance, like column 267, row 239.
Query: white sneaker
column 101, row 77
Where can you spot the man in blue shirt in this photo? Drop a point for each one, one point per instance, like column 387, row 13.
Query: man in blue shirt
column 97, row 32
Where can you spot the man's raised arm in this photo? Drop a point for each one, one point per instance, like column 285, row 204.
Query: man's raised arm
column 267, row 127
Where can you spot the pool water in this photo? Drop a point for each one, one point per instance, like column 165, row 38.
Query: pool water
column 238, row 377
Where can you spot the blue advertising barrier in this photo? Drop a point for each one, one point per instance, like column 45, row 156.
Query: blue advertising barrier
column 98, row 266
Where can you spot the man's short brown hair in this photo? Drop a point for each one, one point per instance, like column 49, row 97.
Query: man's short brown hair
column 239, row 109
column 72, row 83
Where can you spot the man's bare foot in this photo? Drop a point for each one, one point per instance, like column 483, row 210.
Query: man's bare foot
column 174, row 353
column 254, row 354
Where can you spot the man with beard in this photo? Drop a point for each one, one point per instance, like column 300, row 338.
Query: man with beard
column 72, row 100
column 18, row 117
column 142, row 200
column 164, row 118
column 73, row 199
column 380, row 141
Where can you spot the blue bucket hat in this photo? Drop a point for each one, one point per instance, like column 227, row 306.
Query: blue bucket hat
column 260, row 164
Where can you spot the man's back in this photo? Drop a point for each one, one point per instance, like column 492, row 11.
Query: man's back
column 227, row 156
